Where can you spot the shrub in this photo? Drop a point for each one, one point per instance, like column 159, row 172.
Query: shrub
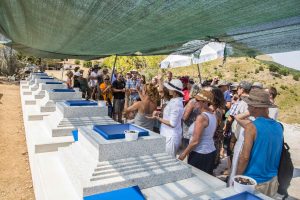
column 261, row 68
column 273, row 68
column 245, row 76
column 283, row 87
column 284, row 72
column 87, row 64
column 292, row 91
column 256, row 71
column 77, row 62
column 296, row 77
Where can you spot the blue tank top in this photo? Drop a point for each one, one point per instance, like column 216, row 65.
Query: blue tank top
column 266, row 150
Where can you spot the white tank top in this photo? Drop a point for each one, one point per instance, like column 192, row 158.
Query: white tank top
column 206, row 144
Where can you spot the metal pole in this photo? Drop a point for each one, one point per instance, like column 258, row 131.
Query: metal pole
column 199, row 73
column 113, row 71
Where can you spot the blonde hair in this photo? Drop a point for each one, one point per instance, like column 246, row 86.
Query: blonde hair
column 69, row 74
column 152, row 92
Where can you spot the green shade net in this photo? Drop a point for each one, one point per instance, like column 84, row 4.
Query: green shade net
column 98, row 28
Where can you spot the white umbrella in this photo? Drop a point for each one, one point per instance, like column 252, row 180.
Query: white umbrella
column 211, row 51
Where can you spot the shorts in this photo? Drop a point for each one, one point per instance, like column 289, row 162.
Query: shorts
column 118, row 105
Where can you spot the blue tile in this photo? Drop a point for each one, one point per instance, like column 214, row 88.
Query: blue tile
column 116, row 131
column 63, row 90
column 81, row 103
column 130, row 193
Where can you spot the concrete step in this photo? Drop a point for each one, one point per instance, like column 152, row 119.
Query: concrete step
column 37, row 117
column 112, row 171
column 27, row 93
column 47, row 108
column 30, row 102
column 25, row 86
column 78, row 165
column 144, row 174
column 39, row 96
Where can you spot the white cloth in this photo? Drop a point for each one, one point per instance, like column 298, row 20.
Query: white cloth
column 236, row 153
column 242, row 107
column 206, row 144
column 273, row 113
column 173, row 113
column 93, row 82
column 235, row 159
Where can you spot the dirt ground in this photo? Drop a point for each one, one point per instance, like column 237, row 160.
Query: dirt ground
column 15, row 176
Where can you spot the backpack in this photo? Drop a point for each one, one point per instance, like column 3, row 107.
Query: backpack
column 285, row 170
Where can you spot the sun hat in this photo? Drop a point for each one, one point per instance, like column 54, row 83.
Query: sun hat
column 175, row 85
column 234, row 86
column 205, row 95
column 77, row 74
column 257, row 85
column 223, row 83
column 259, row 98
column 245, row 85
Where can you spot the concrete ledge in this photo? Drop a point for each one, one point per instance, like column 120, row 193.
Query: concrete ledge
column 39, row 96
column 120, row 148
column 27, row 93
column 30, row 102
column 47, row 108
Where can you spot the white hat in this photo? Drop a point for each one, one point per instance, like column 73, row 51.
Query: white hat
column 175, row 85
column 77, row 74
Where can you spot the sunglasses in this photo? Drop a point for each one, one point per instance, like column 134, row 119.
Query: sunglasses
column 106, row 79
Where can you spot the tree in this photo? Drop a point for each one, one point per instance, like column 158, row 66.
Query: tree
column 147, row 65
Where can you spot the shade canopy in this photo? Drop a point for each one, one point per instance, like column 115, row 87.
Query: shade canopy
column 98, row 28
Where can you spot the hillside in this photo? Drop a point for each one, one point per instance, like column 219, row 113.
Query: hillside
column 237, row 69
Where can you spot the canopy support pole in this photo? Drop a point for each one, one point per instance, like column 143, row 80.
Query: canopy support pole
column 114, row 67
column 199, row 73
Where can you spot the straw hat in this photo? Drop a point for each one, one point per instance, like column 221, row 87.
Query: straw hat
column 257, row 85
column 259, row 98
column 174, row 85
column 204, row 95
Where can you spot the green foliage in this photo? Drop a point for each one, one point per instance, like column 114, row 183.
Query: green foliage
column 283, row 87
column 273, row 68
column 256, row 71
column 87, row 64
column 284, row 72
column 77, row 62
column 261, row 68
column 147, row 65
column 296, row 77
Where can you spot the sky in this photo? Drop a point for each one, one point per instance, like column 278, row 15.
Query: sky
column 288, row 59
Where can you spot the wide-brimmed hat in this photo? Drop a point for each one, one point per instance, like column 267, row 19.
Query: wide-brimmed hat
column 245, row 85
column 175, row 85
column 257, row 85
column 204, row 95
column 259, row 98
column 234, row 86
column 223, row 83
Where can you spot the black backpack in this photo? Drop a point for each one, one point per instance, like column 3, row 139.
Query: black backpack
column 285, row 170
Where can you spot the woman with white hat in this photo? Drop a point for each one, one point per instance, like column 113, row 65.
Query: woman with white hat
column 171, row 121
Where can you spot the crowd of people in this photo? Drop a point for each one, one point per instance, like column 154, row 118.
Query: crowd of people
column 203, row 122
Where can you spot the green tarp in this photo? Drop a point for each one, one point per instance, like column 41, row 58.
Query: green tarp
column 97, row 28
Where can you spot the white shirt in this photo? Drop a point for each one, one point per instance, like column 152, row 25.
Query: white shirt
column 206, row 144
column 173, row 112
column 93, row 82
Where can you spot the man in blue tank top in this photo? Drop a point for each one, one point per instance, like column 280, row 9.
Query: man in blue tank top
column 262, row 148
